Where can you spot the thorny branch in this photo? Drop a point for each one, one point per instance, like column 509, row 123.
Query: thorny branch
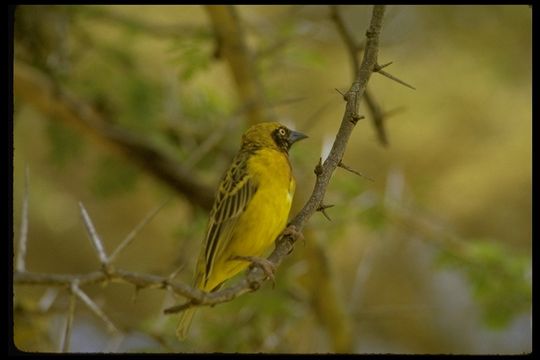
column 377, row 115
column 284, row 244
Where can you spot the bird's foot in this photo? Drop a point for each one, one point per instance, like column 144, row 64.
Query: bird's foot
column 264, row 264
column 293, row 232
column 291, row 235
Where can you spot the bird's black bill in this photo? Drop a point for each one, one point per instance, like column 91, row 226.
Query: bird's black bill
column 295, row 136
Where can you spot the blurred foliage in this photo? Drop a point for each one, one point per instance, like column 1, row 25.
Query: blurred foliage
column 113, row 176
column 500, row 279
column 461, row 145
column 31, row 329
column 193, row 55
column 65, row 143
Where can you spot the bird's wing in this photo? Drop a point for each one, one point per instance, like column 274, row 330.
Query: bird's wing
column 234, row 194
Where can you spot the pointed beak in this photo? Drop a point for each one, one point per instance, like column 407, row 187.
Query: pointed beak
column 295, row 136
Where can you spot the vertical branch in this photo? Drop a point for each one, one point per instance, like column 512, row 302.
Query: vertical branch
column 352, row 46
column 232, row 45
column 325, row 300
column 353, row 49
column 350, row 118
column 23, row 239
column 377, row 117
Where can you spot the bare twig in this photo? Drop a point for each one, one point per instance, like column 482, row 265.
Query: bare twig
column 47, row 299
column 175, row 273
column 93, row 235
column 378, row 117
column 322, row 209
column 392, row 77
column 340, row 93
column 69, row 321
column 93, row 306
column 23, row 238
column 129, row 238
column 343, row 166
column 138, row 280
column 380, row 67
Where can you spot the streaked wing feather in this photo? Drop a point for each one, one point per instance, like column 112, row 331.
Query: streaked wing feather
column 235, row 191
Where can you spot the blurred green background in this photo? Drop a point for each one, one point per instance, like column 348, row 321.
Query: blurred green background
column 432, row 256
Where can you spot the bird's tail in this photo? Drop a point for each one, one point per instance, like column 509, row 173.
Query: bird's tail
column 185, row 322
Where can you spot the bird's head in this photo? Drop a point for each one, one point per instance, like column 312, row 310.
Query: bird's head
column 271, row 135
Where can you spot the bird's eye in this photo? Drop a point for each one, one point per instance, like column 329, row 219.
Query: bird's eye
column 282, row 132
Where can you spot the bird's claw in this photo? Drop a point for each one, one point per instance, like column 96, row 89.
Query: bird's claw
column 294, row 233
column 264, row 264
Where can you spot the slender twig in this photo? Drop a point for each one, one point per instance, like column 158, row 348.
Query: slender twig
column 380, row 67
column 93, row 235
column 69, row 321
column 47, row 299
column 93, row 307
column 129, row 238
column 343, row 166
column 392, row 77
column 139, row 280
column 175, row 273
column 322, row 209
column 23, row 238
column 340, row 93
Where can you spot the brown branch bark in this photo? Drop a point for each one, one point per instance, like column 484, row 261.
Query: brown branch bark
column 349, row 120
column 37, row 89
column 376, row 114
column 232, row 47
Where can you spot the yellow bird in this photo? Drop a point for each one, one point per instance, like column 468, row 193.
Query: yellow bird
column 250, row 209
